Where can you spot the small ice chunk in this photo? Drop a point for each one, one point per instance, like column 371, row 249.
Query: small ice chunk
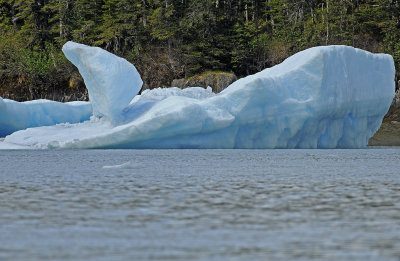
column 126, row 165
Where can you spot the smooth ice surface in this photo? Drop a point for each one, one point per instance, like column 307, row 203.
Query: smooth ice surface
column 112, row 82
column 323, row 97
column 16, row 116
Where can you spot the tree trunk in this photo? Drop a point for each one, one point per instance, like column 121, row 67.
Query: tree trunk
column 312, row 16
column 167, row 4
column 144, row 13
column 255, row 13
column 246, row 14
column 61, row 13
column 327, row 22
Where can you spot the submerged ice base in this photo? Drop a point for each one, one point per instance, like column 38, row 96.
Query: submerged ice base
column 323, row 97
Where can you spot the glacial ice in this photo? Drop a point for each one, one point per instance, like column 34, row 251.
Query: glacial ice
column 16, row 116
column 323, row 97
column 112, row 82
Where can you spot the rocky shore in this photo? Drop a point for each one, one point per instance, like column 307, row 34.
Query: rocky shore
column 218, row 81
column 387, row 135
column 389, row 132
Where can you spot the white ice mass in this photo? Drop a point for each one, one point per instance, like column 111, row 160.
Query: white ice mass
column 323, row 97
column 112, row 82
column 16, row 116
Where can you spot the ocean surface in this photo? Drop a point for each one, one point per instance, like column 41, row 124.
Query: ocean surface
column 200, row 205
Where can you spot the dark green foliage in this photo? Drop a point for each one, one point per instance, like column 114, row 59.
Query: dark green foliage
column 169, row 39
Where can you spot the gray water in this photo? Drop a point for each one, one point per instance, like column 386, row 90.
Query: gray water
column 200, row 205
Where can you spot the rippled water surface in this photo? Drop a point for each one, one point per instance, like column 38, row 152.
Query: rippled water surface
column 200, row 205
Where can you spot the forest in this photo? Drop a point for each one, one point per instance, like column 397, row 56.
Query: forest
column 172, row 39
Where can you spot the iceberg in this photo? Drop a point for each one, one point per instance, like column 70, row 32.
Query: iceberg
column 16, row 116
column 323, row 97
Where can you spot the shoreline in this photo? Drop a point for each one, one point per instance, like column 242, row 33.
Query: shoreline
column 388, row 135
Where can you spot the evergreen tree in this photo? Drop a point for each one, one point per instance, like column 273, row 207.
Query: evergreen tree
column 169, row 39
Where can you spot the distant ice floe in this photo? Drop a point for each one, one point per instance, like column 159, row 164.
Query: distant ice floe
column 126, row 165
column 323, row 97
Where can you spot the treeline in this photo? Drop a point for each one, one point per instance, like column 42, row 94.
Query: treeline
column 169, row 39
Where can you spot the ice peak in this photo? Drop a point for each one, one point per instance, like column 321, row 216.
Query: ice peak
column 112, row 81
